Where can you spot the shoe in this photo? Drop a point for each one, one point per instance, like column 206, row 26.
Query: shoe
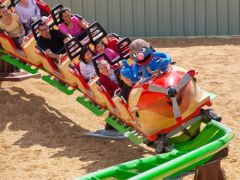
column 111, row 134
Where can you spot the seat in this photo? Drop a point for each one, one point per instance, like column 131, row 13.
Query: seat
column 61, row 71
column 39, row 53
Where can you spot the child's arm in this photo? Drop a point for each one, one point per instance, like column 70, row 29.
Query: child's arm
column 83, row 23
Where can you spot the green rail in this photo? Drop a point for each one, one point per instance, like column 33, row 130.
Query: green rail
column 83, row 100
column 56, row 83
column 184, row 157
column 129, row 132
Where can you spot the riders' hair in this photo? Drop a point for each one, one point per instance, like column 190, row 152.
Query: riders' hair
column 103, row 62
column 41, row 23
column 2, row 6
column 100, row 42
column 83, row 52
column 61, row 14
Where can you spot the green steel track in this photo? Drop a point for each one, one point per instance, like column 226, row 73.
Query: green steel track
column 184, row 157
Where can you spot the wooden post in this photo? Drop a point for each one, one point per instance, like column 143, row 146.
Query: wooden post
column 9, row 72
column 212, row 170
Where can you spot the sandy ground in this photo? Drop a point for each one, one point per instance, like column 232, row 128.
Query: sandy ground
column 41, row 128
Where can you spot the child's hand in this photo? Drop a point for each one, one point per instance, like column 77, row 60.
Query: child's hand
column 91, row 78
column 60, row 58
column 34, row 19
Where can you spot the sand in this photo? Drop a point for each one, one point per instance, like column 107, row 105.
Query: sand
column 41, row 128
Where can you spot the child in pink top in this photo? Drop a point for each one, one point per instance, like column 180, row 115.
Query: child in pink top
column 72, row 25
column 101, row 47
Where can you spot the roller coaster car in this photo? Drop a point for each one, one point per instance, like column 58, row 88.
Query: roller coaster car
column 90, row 89
column 116, row 104
column 9, row 46
column 167, row 102
column 60, row 71
column 27, row 46
column 73, row 48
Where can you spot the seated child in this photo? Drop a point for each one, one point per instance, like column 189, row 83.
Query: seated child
column 86, row 66
column 101, row 47
column 107, row 77
column 108, row 80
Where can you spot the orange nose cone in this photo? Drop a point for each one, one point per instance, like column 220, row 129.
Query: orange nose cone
column 160, row 103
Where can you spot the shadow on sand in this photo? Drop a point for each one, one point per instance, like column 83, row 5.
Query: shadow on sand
column 46, row 126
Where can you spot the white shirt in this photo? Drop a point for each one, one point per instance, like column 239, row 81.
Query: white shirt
column 87, row 70
column 26, row 14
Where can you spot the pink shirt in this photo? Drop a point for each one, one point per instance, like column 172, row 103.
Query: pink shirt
column 111, row 54
column 75, row 30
